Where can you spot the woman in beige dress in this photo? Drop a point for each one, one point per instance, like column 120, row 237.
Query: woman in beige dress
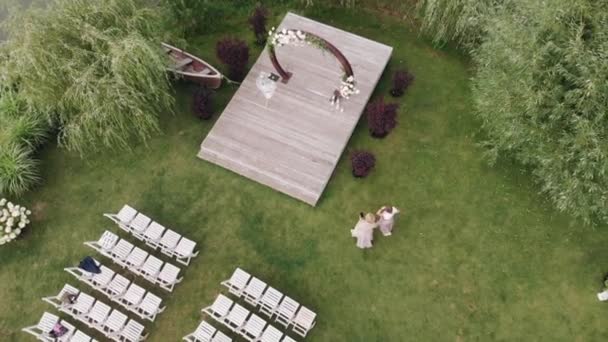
column 387, row 219
column 364, row 230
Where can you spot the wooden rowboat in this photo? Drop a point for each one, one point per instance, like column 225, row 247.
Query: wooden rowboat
column 192, row 68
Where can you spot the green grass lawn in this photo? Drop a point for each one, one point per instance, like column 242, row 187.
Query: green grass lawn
column 477, row 254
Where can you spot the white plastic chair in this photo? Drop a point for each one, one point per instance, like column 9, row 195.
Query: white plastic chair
column 139, row 224
column 136, row 259
column 168, row 277
column 253, row 329
column 287, row 339
column 114, row 325
column 44, row 327
column 121, row 251
column 98, row 315
column 237, row 282
column 304, row 321
column 236, row 318
column 153, row 234
column 271, row 334
column 270, row 300
column 79, row 336
column 151, row 268
column 123, row 217
column 133, row 296
column 220, row 307
column 184, row 251
column 149, row 307
column 117, row 287
column 132, row 332
column 221, row 337
column 286, row 311
column 254, row 290
column 104, row 245
column 203, row 333
column 168, row 242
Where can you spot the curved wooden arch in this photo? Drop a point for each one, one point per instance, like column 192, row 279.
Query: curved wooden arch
column 286, row 75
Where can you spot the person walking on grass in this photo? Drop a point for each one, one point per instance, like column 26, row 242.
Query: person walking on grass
column 364, row 230
column 387, row 219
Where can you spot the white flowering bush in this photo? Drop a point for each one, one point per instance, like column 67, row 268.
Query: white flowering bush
column 13, row 219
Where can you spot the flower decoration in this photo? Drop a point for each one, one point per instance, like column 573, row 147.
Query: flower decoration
column 279, row 38
column 13, row 219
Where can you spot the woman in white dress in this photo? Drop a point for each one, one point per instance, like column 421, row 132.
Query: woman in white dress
column 364, row 230
column 387, row 219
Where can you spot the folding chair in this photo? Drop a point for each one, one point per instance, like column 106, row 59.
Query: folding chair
column 270, row 301
column 98, row 315
column 253, row 328
column 139, row 225
column 133, row 296
column 286, row 311
column 153, row 234
column 271, row 334
column 132, row 332
column 304, row 321
column 203, row 333
column 220, row 307
column 43, row 328
column 168, row 242
column 184, row 251
column 136, row 259
column 114, row 325
column 236, row 318
column 254, row 290
column 123, row 217
column 237, row 282
column 168, row 277
column 149, row 307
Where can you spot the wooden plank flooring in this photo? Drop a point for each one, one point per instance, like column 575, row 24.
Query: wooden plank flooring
column 293, row 143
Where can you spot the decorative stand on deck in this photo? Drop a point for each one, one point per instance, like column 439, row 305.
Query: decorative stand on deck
column 300, row 38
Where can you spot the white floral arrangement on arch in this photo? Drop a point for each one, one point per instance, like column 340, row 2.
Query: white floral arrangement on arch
column 287, row 37
column 278, row 38
column 13, row 219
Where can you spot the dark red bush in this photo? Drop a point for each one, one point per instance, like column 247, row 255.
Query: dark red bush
column 235, row 54
column 402, row 79
column 363, row 162
column 202, row 103
column 381, row 117
column 257, row 20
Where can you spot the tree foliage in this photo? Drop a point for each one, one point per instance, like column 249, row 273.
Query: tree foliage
column 541, row 89
column 95, row 66
column 461, row 21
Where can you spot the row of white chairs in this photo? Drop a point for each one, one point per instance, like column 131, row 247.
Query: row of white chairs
column 42, row 330
column 271, row 302
column 205, row 332
column 243, row 322
column 137, row 260
column 96, row 314
column 154, row 234
column 121, row 290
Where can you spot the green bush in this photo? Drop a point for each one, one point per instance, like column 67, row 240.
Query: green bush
column 541, row 90
column 461, row 21
column 18, row 170
column 21, row 126
column 95, row 66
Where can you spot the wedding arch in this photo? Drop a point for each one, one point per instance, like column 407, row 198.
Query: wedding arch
column 294, row 37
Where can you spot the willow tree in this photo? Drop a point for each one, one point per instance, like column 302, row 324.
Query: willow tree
column 541, row 89
column 96, row 67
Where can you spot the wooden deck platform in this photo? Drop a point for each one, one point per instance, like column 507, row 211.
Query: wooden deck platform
column 293, row 142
